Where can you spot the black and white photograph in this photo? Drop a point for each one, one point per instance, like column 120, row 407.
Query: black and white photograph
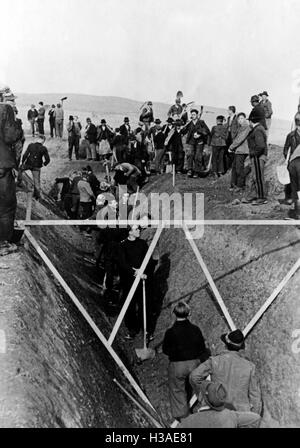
column 150, row 217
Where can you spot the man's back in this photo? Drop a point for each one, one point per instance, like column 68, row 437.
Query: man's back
column 238, row 376
column 34, row 156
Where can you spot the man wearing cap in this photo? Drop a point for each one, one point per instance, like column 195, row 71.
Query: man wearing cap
column 217, row 413
column 235, row 372
column 175, row 111
column 258, row 152
column 175, row 146
column 198, row 135
column 125, row 130
column 258, row 111
column 267, row 106
column 91, row 138
column 32, row 115
column 35, row 157
column 74, row 134
column 10, row 133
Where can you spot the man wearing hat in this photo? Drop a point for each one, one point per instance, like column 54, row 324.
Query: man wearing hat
column 31, row 117
column 104, row 137
column 217, row 413
column 41, row 118
column 175, row 146
column 198, row 135
column 168, row 126
column 10, row 133
column 267, row 106
column 258, row 152
column 125, row 130
column 258, row 111
column 235, row 372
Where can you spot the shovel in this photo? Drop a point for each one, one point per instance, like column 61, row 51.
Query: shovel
column 145, row 353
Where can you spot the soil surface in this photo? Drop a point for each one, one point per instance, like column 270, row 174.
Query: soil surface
column 56, row 372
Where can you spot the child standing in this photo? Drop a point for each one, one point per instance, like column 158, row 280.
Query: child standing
column 218, row 144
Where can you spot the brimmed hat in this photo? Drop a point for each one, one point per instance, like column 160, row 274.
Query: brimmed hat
column 235, row 338
column 254, row 98
column 170, row 120
column 195, row 110
column 265, row 93
column 126, row 120
column 103, row 122
column 150, row 103
column 157, row 121
column 214, row 395
column 220, row 117
column 178, row 123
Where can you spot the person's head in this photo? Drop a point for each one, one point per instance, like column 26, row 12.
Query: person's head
column 117, row 130
column 231, row 110
column 260, row 97
column 150, row 103
column 220, row 119
column 32, row 106
column 214, row 394
column 184, row 106
column 71, row 118
column 88, row 121
column 41, row 103
column 53, row 106
column 182, row 310
column 178, row 124
column 58, row 105
column 134, row 232
column 157, row 123
column 264, row 95
column 103, row 122
column 177, row 101
column 241, row 118
column 254, row 100
column 170, row 121
column 41, row 139
column 76, row 118
column 89, row 169
column 234, row 341
column 126, row 120
column 194, row 114
column 73, row 174
column 297, row 123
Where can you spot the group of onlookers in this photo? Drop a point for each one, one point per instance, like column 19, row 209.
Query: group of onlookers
column 36, row 118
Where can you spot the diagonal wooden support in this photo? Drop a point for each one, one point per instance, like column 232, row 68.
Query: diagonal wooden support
column 271, row 299
column 209, row 278
column 88, row 318
column 135, row 284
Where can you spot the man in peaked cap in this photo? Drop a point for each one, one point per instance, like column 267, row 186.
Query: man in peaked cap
column 217, row 413
column 235, row 372
column 125, row 130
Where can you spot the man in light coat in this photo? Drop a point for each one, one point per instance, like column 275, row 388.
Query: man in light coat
column 239, row 147
column 235, row 372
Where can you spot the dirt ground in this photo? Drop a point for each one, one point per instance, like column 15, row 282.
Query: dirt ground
column 246, row 263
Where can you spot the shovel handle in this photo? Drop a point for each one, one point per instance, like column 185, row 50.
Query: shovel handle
column 145, row 313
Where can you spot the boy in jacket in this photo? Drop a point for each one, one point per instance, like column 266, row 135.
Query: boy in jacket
column 218, row 144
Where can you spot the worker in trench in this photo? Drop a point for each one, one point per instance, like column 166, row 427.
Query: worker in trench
column 185, row 346
column 235, row 372
column 131, row 256
column 11, row 133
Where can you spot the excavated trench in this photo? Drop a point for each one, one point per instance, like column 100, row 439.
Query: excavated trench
column 56, row 373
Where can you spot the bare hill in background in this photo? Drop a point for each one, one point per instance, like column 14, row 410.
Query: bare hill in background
column 114, row 109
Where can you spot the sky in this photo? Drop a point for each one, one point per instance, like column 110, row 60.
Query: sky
column 218, row 52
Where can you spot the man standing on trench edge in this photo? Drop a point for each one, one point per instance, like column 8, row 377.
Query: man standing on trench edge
column 235, row 372
column 10, row 133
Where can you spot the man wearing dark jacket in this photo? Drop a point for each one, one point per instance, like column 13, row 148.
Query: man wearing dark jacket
column 31, row 117
column 125, row 130
column 132, row 253
column 91, row 137
column 232, row 127
column 35, row 157
column 185, row 346
column 258, row 152
column 258, row 111
column 197, row 135
column 175, row 145
column 291, row 143
column 41, row 118
column 10, row 133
